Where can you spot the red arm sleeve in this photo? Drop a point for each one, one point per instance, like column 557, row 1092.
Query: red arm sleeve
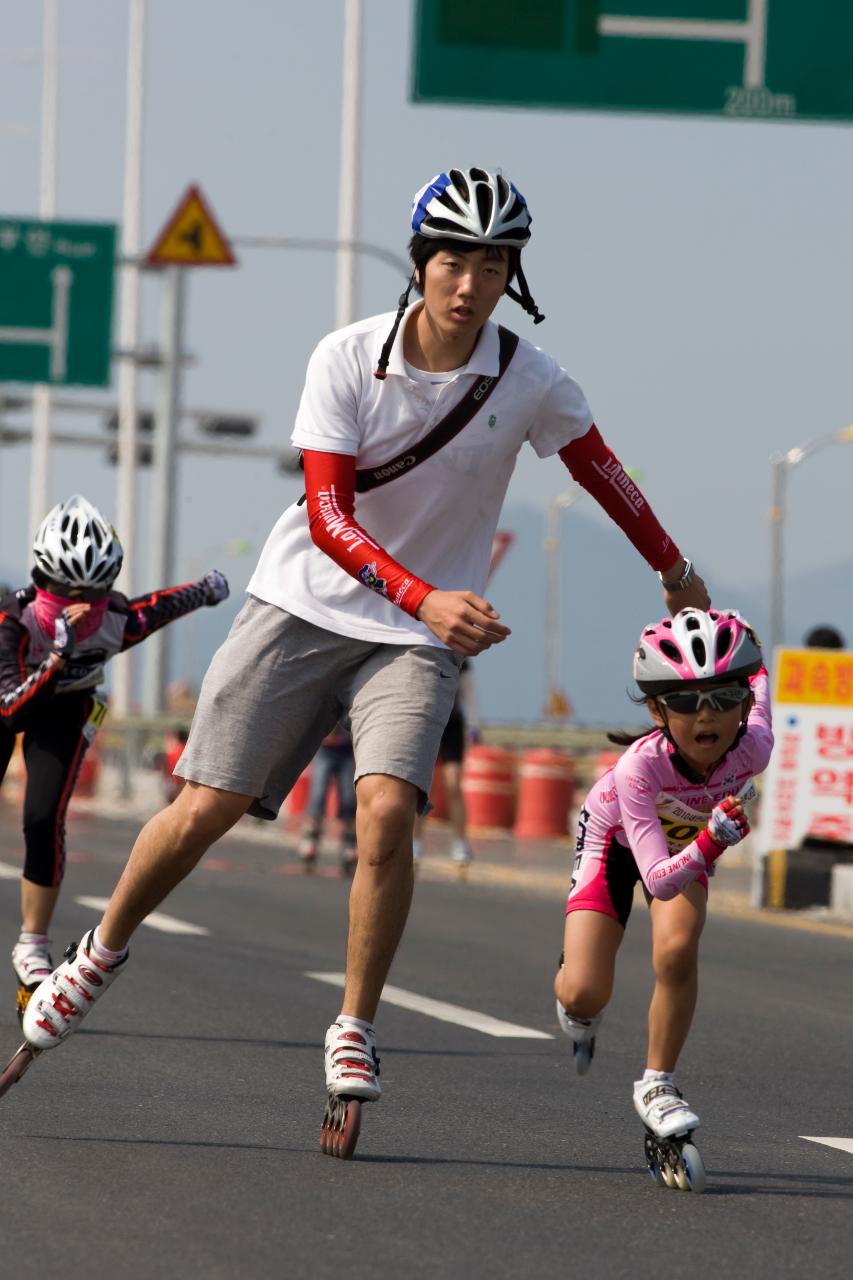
column 330, row 494
column 600, row 472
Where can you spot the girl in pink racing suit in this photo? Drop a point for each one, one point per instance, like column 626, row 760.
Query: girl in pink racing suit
column 663, row 814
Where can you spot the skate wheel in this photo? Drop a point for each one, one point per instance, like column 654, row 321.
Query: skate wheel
column 583, row 1056
column 20, row 1062
column 668, row 1174
column 348, row 1135
column 681, row 1179
column 653, row 1161
column 694, row 1169
column 22, row 1002
column 340, row 1129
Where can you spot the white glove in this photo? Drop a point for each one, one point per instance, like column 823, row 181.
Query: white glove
column 216, row 585
column 728, row 823
column 64, row 638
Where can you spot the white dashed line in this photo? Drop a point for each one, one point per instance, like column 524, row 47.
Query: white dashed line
column 445, row 1012
column 8, row 872
column 842, row 1144
column 156, row 920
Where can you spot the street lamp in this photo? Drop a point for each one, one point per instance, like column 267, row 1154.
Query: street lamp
column 557, row 706
column 781, row 464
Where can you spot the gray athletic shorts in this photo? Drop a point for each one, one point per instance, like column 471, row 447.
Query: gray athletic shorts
column 279, row 684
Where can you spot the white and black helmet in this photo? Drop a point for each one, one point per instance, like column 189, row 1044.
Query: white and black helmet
column 472, row 205
column 76, row 546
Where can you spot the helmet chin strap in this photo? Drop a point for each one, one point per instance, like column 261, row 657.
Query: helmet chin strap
column 667, row 732
column 381, row 369
column 523, row 296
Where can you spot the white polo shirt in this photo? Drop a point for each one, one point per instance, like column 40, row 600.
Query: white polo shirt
column 438, row 519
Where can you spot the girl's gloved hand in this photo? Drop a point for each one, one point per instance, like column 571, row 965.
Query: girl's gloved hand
column 64, row 637
column 216, row 586
column 728, row 823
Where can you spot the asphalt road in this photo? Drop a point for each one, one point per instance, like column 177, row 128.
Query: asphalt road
column 177, row 1133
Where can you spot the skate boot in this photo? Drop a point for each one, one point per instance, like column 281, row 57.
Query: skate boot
column 581, row 1032
column 349, row 855
column 352, row 1068
column 32, row 964
column 307, row 850
column 461, row 856
column 349, row 862
column 61, row 1002
column 671, row 1157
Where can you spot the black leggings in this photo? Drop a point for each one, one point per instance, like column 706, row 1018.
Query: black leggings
column 54, row 747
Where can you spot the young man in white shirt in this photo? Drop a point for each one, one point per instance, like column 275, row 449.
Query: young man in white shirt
column 367, row 620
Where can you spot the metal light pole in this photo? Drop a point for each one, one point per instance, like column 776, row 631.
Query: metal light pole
column 47, row 209
column 781, row 464
column 129, row 332
column 164, row 484
column 349, row 190
column 554, row 696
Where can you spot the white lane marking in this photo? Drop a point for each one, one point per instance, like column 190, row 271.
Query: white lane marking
column 843, row 1144
column 445, row 1012
column 8, row 872
column 156, row 920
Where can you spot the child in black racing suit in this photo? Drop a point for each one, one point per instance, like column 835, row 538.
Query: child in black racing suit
column 56, row 637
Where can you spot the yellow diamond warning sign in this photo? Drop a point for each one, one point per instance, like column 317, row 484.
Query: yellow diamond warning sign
column 192, row 237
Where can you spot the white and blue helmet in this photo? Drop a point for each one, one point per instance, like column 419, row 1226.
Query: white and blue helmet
column 472, row 205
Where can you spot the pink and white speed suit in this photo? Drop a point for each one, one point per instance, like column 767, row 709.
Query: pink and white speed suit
column 642, row 818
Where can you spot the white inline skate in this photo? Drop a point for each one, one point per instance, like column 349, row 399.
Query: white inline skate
column 32, row 964
column 581, row 1032
column 58, row 1005
column 671, row 1157
column 461, row 856
column 352, row 1067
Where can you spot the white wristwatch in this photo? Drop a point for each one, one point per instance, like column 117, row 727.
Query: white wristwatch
column 684, row 581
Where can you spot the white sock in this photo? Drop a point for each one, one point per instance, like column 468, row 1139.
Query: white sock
column 664, row 1076
column 346, row 1021
column 32, row 937
column 112, row 957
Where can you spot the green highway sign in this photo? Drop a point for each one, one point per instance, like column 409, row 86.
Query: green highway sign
column 753, row 59
column 56, row 301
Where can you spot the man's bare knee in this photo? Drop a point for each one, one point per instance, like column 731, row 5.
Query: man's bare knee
column 202, row 814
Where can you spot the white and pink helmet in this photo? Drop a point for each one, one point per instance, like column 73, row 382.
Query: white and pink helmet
column 694, row 647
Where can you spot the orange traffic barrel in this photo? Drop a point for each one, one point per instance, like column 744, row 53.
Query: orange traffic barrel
column 89, row 772
column 438, row 794
column 488, row 785
column 603, row 761
column 545, row 793
column 296, row 801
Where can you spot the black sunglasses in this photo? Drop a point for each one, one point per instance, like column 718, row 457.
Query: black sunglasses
column 688, row 701
column 87, row 594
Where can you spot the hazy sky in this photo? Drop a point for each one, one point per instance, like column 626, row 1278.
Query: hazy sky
column 695, row 274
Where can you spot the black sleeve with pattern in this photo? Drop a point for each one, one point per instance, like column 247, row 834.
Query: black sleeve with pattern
column 21, row 692
column 147, row 614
